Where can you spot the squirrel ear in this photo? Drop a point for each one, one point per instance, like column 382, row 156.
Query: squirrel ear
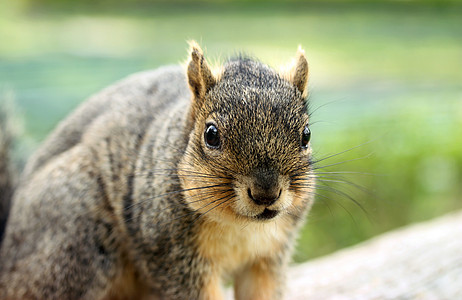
column 298, row 73
column 200, row 77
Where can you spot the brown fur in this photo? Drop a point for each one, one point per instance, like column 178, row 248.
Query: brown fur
column 126, row 199
column 260, row 282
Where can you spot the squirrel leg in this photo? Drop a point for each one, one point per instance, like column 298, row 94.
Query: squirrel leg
column 212, row 289
column 262, row 280
column 56, row 268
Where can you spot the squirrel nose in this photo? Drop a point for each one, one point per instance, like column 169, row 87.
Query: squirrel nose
column 265, row 188
column 264, row 196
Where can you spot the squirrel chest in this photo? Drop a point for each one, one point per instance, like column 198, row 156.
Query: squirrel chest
column 232, row 246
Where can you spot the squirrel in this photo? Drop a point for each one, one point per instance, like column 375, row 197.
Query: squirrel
column 165, row 186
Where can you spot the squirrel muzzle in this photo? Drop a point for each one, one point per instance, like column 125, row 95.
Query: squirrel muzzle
column 264, row 188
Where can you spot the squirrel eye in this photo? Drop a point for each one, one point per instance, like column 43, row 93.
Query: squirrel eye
column 306, row 136
column 211, row 136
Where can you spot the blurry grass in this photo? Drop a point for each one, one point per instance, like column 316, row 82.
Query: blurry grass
column 411, row 169
column 384, row 76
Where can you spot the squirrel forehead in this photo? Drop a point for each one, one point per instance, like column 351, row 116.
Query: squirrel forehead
column 252, row 90
column 249, row 83
column 248, row 73
column 265, row 102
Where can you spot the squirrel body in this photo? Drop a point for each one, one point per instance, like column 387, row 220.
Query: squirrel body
column 164, row 185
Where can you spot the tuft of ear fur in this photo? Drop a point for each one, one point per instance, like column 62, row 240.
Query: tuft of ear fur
column 200, row 76
column 298, row 72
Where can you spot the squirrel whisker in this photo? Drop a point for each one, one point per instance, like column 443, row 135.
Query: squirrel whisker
column 341, row 193
column 341, row 152
column 340, row 163
column 175, row 192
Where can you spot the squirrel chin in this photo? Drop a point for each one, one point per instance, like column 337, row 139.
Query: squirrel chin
column 267, row 214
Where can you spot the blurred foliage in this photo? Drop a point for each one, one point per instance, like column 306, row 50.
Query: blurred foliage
column 385, row 77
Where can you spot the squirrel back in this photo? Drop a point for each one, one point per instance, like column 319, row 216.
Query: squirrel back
column 164, row 185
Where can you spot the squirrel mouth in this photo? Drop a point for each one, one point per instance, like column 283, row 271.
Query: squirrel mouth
column 267, row 214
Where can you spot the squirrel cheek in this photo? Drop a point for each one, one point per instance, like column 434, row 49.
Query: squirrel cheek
column 211, row 196
column 303, row 197
column 189, row 187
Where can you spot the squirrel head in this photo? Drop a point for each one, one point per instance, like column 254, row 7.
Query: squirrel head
column 248, row 154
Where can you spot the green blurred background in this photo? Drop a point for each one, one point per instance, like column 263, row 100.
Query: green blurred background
column 385, row 75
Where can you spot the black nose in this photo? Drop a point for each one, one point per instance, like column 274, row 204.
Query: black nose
column 265, row 188
column 264, row 197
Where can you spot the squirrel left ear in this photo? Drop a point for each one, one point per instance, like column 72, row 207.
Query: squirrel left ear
column 200, row 77
column 298, row 73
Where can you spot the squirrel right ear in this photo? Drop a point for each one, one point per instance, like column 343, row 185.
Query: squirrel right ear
column 298, row 73
column 200, row 77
